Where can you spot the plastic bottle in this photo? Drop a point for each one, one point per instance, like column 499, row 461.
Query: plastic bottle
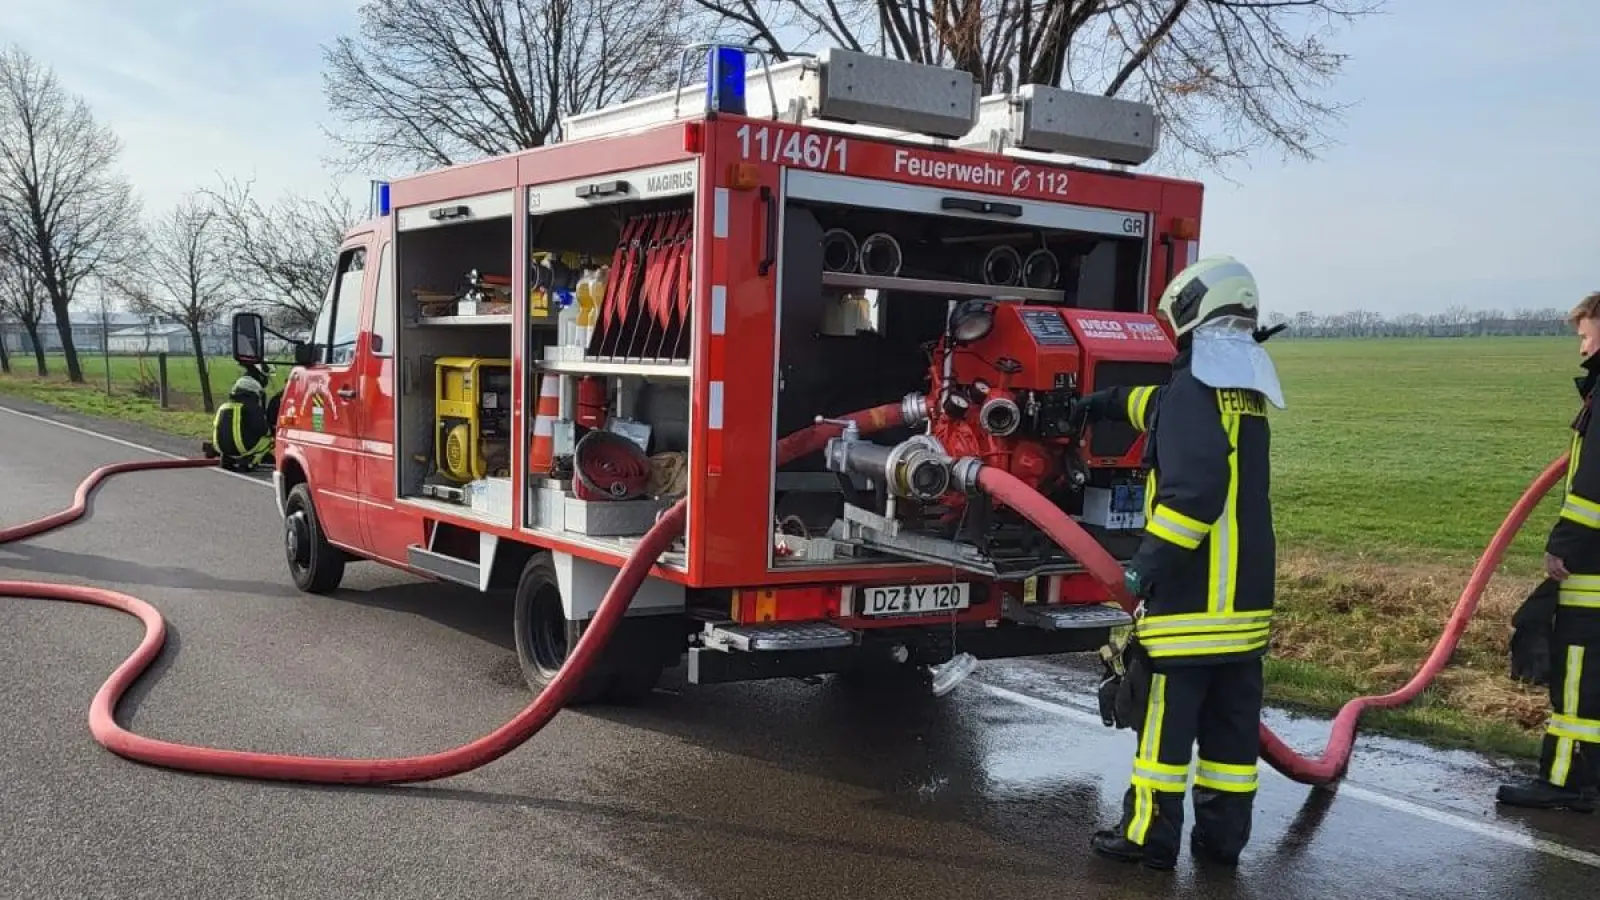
column 566, row 323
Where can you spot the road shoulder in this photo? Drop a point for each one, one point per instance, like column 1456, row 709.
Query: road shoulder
column 127, row 431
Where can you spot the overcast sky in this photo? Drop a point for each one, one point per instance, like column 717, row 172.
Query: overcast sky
column 1466, row 175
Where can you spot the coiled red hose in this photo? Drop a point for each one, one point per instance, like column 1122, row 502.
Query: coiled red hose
column 1000, row 485
column 332, row 770
column 1335, row 758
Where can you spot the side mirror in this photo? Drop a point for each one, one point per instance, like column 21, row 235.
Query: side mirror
column 249, row 338
column 305, row 354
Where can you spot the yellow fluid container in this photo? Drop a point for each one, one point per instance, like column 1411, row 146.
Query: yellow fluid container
column 590, row 292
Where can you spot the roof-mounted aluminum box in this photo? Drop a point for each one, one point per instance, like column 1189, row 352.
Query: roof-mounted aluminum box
column 839, row 85
column 863, row 89
column 1052, row 120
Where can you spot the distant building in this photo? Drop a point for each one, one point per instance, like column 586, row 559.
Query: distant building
column 128, row 333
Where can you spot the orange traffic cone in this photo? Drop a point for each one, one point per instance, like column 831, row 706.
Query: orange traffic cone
column 541, row 446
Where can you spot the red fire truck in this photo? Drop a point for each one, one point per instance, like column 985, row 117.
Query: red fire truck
column 521, row 362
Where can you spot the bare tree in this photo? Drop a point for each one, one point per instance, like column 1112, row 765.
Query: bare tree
column 64, row 209
column 283, row 256
column 438, row 82
column 1226, row 76
column 23, row 299
column 182, row 273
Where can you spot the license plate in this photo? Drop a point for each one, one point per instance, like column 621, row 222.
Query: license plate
column 912, row 599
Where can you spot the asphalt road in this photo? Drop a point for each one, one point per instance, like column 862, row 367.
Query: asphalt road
column 773, row 790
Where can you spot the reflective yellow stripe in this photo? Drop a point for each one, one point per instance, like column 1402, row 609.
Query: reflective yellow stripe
column 232, row 409
column 1224, row 544
column 1578, row 598
column 1192, row 623
column 1138, row 402
column 1588, row 583
column 1564, row 724
column 238, row 431
column 1176, row 528
column 1230, row 777
column 1144, row 801
column 1204, row 634
column 1149, row 495
column 1572, row 457
column 1583, row 511
column 1201, row 645
column 1160, row 776
column 1575, row 728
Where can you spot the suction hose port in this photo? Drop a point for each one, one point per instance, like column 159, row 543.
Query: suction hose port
column 1002, row 266
column 1000, row 416
column 840, row 251
column 1041, row 270
column 880, row 255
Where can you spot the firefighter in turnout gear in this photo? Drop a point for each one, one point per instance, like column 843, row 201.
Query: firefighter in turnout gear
column 241, row 431
column 1569, row 766
column 1203, row 574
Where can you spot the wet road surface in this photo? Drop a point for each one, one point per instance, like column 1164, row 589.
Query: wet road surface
column 776, row 789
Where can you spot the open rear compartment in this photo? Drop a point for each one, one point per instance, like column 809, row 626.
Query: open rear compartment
column 608, row 349
column 871, row 275
column 453, row 378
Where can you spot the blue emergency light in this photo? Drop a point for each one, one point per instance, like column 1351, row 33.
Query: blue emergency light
column 383, row 198
column 725, row 80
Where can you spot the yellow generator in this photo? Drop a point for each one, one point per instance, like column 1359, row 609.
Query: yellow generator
column 472, row 402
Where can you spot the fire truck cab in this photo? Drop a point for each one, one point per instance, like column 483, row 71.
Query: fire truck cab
column 522, row 361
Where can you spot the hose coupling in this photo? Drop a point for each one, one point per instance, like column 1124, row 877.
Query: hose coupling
column 964, row 475
column 914, row 408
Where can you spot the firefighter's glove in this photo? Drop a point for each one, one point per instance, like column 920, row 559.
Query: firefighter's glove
column 1533, row 627
column 1123, row 696
column 1090, row 408
column 1134, row 583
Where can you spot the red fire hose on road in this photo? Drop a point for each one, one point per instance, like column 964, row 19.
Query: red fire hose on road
column 1000, row 485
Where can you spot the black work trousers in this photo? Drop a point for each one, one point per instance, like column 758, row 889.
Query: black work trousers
column 1571, row 753
column 1217, row 705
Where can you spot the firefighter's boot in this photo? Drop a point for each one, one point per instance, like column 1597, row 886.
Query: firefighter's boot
column 1155, row 818
column 1540, row 794
column 1113, row 844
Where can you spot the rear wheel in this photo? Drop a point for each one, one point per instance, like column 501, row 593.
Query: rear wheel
column 545, row 638
column 316, row 565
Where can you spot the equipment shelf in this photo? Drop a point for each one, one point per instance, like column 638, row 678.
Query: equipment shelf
column 952, row 288
column 492, row 319
column 608, row 367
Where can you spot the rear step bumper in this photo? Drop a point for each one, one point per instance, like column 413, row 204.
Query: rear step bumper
column 794, row 650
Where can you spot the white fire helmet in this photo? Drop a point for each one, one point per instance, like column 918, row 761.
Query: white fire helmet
column 1216, row 303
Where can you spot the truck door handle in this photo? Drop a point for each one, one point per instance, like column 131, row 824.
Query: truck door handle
column 770, row 256
column 347, row 392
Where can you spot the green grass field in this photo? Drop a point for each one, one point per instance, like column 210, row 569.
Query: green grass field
column 1416, row 448
column 1392, row 466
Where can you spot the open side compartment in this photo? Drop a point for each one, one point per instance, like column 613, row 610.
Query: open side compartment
column 609, row 349
column 870, row 276
column 454, row 401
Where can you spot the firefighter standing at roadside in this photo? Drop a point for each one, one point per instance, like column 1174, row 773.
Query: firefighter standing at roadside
column 1569, row 765
column 1204, row 572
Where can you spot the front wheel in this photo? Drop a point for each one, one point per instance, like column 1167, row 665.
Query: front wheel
column 316, row 565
